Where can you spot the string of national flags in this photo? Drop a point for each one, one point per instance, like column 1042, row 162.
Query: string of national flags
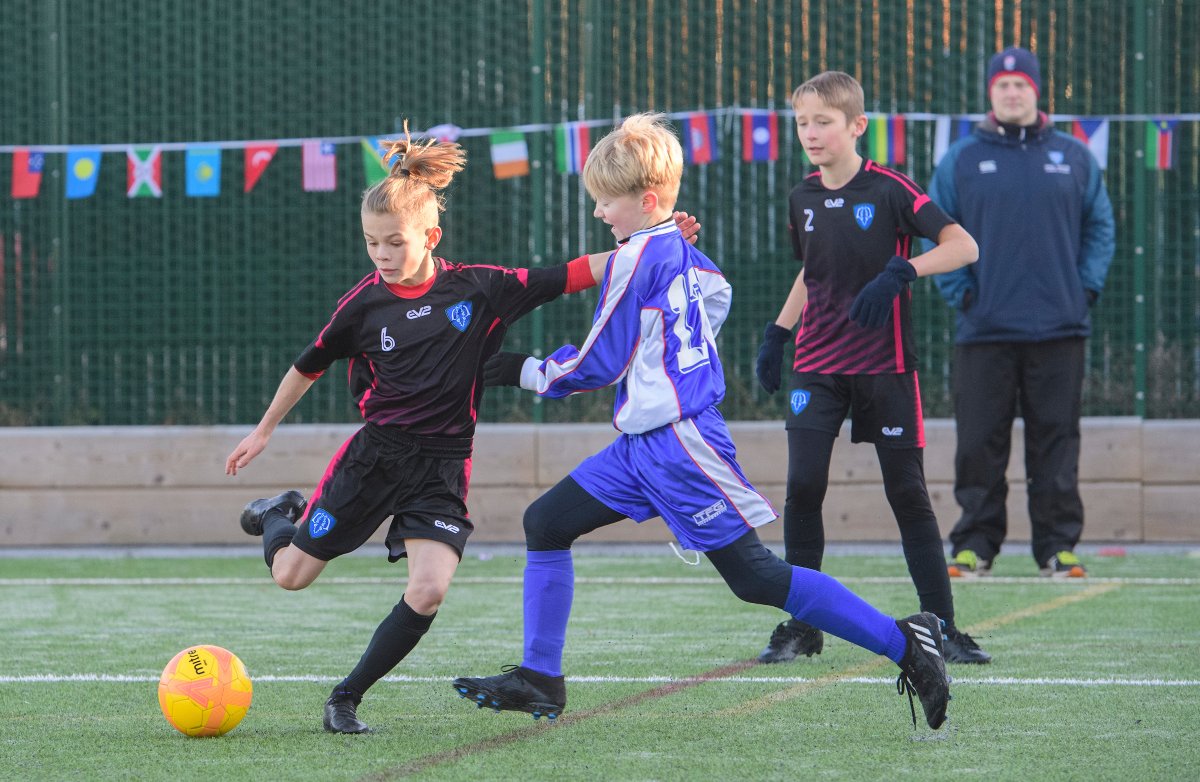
column 886, row 142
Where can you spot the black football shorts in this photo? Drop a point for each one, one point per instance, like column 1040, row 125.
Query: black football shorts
column 883, row 409
column 380, row 472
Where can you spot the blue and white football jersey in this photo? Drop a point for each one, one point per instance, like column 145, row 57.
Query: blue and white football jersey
column 662, row 303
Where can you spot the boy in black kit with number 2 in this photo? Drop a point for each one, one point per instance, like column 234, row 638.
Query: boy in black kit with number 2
column 852, row 224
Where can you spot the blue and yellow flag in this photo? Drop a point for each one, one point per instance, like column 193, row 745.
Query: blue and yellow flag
column 83, row 169
column 203, row 172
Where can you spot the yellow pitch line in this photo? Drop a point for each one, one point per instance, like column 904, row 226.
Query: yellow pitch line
column 1063, row 600
column 779, row 696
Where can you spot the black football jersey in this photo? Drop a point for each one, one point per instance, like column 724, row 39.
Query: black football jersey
column 417, row 361
column 844, row 238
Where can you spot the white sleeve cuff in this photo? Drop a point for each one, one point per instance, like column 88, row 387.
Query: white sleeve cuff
column 529, row 373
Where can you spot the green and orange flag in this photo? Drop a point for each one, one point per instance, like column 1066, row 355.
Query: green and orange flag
column 1160, row 144
column 373, row 167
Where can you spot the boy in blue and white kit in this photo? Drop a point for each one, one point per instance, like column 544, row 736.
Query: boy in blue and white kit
column 662, row 303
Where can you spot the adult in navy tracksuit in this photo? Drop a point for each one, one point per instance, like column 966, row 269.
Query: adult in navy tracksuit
column 1033, row 199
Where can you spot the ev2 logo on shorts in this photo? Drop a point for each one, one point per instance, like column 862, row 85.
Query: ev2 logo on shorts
column 320, row 523
column 799, row 400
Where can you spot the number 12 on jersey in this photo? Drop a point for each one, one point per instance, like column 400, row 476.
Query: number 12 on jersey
column 688, row 305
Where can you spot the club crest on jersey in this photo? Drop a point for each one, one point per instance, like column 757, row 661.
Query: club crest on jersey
column 864, row 214
column 799, row 400
column 320, row 523
column 460, row 315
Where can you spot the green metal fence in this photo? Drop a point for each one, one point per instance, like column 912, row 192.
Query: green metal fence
column 188, row 310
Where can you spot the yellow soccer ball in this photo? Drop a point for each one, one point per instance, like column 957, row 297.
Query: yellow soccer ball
column 204, row 691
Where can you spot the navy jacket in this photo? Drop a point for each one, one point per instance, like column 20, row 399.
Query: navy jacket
column 1036, row 205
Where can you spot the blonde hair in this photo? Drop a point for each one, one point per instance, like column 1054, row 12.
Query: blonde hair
column 417, row 173
column 642, row 154
column 836, row 90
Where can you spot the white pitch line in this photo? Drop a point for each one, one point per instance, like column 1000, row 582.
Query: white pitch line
column 1040, row 681
column 609, row 580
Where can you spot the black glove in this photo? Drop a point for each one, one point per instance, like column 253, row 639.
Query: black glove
column 504, row 369
column 770, row 356
column 874, row 303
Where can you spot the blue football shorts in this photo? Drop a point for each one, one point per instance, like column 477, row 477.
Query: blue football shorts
column 685, row 472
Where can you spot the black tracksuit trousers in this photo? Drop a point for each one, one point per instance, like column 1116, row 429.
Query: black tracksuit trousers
column 992, row 381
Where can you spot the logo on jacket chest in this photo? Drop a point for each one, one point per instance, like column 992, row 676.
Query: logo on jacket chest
column 1056, row 164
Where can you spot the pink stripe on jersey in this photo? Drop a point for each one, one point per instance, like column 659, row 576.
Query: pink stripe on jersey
column 362, row 403
column 920, row 202
column 365, row 283
column 920, row 414
column 896, row 175
column 898, row 332
column 903, row 248
column 371, row 279
column 522, row 274
column 333, row 463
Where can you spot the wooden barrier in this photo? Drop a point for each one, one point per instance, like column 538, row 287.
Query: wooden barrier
column 166, row 485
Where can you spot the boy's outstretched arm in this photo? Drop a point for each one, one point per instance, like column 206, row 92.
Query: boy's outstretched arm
column 293, row 386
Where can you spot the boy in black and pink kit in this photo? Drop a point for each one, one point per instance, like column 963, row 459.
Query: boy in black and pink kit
column 416, row 333
column 852, row 225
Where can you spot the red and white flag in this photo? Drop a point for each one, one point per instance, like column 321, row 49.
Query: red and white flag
column 258, row 157
column 320, row 166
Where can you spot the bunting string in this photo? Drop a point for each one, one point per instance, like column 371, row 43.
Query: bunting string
column 886, row 142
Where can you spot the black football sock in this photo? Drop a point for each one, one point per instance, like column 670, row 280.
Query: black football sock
column 804, row 539
column 927, row 566
column 278, row 532
column 395, row 637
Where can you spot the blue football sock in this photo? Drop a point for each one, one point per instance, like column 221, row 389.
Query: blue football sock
column 823, row 602
column 549, row 590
